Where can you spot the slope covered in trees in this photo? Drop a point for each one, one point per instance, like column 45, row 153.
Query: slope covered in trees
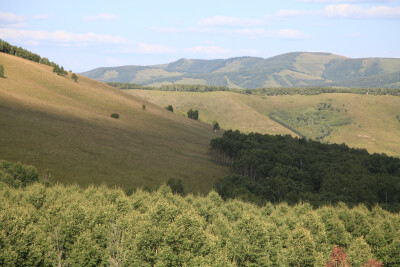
column 67, row 225
column 283, row 168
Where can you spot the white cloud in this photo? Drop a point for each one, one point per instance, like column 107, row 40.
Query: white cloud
column 346, row 11
column 10, row 18
column 208, row 50
column 41, row 16
column 101, row 16
column 58, row 36
column 14, row 25
column 229, row 21
column 355, row 11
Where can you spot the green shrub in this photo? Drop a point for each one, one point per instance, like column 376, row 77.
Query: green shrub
column 193, row 114
column 17, row 174
column 115, row 115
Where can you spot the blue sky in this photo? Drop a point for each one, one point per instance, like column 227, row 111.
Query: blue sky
column 82, row 35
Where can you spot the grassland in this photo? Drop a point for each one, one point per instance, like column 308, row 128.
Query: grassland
column 65, row 129
column 373, row 126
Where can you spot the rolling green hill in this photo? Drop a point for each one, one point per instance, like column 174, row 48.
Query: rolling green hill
column 362, row 121
column 64, row 128
column 297, row 69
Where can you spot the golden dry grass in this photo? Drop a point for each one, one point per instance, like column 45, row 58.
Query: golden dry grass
column 374, row 123
column 64, row 128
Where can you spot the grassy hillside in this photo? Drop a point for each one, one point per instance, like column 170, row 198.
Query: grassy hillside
column 374, row 124
column 296, row 69
column 65, row 129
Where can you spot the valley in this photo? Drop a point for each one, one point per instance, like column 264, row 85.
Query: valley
column 370, row 120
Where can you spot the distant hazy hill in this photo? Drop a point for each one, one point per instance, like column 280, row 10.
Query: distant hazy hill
column 287, row 70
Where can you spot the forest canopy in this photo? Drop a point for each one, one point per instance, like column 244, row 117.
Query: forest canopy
column 68, row 225
column 282, row 168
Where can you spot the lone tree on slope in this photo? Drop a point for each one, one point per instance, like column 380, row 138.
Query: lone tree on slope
column 74, row 77
column 2, row 71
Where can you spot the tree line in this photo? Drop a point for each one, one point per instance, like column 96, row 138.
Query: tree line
column 284, row 168
column 57, row 225
column 23, row 53
column 261, row 91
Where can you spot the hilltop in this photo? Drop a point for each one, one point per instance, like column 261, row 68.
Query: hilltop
column 297, row 69
column 64, row 128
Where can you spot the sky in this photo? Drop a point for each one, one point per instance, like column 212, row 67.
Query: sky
column 83, row 35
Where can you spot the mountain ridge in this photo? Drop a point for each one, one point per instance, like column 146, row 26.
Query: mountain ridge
column 294, row 69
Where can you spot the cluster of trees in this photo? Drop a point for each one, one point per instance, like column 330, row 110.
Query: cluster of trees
column 66, row 225
column 311, row 122
column 283, row 168
column 192, row 88
column 59, row 70
column 21, row 52
column 18, row 51
column 193, row 114
column 322, row 90
column 126, row 86
column 170, row 87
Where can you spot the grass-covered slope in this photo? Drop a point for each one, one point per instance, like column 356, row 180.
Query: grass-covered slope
column 64, row 128
column 374, row 124
column 68, row 225
column 288, row 70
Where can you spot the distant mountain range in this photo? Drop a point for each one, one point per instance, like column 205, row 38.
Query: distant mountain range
column 297, row 69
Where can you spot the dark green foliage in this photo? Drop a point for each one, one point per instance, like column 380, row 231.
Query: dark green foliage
column 193, row 114
column 174, row 87
column 263, row 91
column 170, row 108
column 398, row 117
column 283, row 168
column 59, row 70
column 115, row 115
column 144, row 107
column 176, row 186
column 18, row 51
column 45, row 61
column 74, row 77
column 2, row 71
column 215, row 125
column 67, row 225
column 17, row 174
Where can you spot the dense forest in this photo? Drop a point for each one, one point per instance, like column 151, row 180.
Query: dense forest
column 260, row 91
column 56, row 225
column 282, row 168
